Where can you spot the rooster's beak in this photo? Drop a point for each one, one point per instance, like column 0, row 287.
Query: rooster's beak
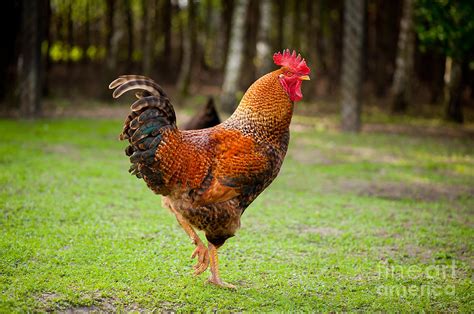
column 304, row 78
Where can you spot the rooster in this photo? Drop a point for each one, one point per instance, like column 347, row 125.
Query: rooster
column 209, row 177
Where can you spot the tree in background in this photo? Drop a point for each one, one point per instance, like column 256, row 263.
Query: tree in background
column 248, row 67
column 89, row 42
column 351, row 89
column 147, row 36
column 189, row 35
column 403, row 76
column 263, row 60
column 281, row 10
column 10, row 24
column 112, row 38
column 129, row 22
column 296, row 25
column 448, row 25
column 29, row 60
column 166, row 15
column 214, row 36
column 234, row 57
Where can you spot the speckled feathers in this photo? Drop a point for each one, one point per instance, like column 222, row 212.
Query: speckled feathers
column 210, row 176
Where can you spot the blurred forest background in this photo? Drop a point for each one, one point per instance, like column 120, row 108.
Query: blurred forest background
column 412, row 57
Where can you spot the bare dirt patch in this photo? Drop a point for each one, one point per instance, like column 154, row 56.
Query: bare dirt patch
column 61, row 149
column 314, row 157
column 52, row 302
column 403, row 190
column 306, row 153
column 48, row 300
column 89, row 112
column 421, row 130
column 411, row 252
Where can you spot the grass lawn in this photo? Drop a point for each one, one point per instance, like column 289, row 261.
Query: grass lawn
column 370, row 222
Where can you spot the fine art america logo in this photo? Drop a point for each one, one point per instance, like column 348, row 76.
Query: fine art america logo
column 435, row 276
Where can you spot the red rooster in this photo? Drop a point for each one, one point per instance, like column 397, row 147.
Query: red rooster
column 209, row 177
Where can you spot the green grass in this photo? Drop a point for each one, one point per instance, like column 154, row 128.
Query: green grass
column 368, row 222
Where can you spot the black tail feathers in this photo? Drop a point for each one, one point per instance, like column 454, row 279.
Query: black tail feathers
column 150, row 115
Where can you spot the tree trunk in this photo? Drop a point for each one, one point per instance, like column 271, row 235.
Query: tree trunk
column 453, row 90
column 319, row 11
column 296, row 32
column 402, row 80
column 314, row 46
column 247, row 68
column 46, row 37
column 129, row 21
column 384, row 50
column 185, row 72
column 234, row 57
column 352, row 65
column 29, row 61
column 147, row 7
column 110, row 35
column 10, row 23
column 207, row 36
column 228, row 8
column 166, row 16
column 213, row 56
column 335, row 11
column 87, row 37
column 70, row 35
column 114, row 34
column 87, row 41
column 264, row 51
column 280, row 24
column 437, row 80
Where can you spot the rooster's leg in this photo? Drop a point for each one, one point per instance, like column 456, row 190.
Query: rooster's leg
column 201, row 251
column 215, row 277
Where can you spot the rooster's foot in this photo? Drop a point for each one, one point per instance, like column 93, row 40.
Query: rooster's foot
column 202, row 255
column 220, row 283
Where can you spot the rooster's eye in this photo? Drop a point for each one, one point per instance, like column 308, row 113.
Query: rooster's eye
column 289, row 74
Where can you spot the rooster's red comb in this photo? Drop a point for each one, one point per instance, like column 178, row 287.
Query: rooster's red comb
column 290, row 60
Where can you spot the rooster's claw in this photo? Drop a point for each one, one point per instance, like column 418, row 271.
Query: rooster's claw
column 202, row 255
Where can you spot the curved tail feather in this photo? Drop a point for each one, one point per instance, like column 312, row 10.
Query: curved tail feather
column 129, row 82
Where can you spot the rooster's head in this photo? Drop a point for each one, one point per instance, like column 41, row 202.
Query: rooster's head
column 294, row 71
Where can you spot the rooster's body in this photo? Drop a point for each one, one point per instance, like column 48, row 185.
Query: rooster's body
column 208, row 177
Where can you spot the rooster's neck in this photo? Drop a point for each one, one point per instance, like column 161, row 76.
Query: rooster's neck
column 264, row 109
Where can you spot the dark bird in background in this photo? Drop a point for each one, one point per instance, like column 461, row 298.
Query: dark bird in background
column 205, row 118
column 208, row 177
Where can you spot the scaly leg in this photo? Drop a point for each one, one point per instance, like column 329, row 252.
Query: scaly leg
column 201, row 251
column 215, row 278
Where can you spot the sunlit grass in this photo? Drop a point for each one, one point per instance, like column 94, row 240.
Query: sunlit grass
column 368, row 222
